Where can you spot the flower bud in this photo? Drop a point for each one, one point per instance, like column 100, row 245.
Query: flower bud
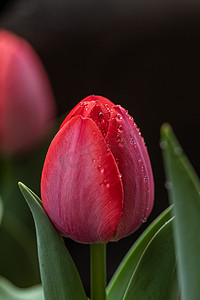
column 26, row 100
column 97, row 183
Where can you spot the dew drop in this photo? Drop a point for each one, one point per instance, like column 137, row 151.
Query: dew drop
column 178, row 150
column 131, row 140
column 107, row 106
column 163, row 144
column 131, row 118
column 120, row 128
column 168, row 185
column 120, row 175
column 106, row 183
column 118, row 138
column 144, row 220
column 126, row 111
column 119, row 116
column 101, row 115
column 100, row 168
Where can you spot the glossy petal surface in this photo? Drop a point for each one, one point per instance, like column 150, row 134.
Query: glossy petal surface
column 129, row 150
column 81, row 188
column 85, row 107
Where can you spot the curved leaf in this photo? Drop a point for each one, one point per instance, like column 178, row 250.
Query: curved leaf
column 60, row 279
column 155, row 275
column 184, row 192
column 10, row 292
column 122, row 276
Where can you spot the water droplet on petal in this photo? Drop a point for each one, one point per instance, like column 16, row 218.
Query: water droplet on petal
column 120, row 175
column 131, row 140
column 118, row 138
column 144, row 220
column 131, row 118
column 120, row 128
column 100, row 168
column 101, row 115
column 119, row 116
column 106, row 183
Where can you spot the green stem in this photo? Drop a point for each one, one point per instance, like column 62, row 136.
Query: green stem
column 98, row 271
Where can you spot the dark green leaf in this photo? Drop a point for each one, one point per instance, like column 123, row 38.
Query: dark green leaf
column 60, row 279
column 184, row 192
column 10, row 292
column 17, row 262
column 122, row 276
column 155, row 275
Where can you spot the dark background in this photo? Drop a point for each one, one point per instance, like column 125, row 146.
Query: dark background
column 142, row 54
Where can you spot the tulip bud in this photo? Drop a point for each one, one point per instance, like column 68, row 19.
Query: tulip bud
column 97, row 183
column 26, row 101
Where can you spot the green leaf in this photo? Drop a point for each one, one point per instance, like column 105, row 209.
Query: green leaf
column 122, row 276
column 155, row 275
column 60, row 279
column 184, row 192
column 10, row 292
column 17, row 262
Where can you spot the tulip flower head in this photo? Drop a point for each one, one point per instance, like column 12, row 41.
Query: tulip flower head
column 97, row 183
column 26, row 99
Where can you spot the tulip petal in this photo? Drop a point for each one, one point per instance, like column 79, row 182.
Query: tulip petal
column 85, row 106
column 81, row 188
column 129, row 150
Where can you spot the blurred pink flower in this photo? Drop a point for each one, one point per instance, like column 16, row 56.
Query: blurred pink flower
column 27, row 103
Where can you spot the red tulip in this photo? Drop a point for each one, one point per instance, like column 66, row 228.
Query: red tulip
column 26, row 100
column 97, row 183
